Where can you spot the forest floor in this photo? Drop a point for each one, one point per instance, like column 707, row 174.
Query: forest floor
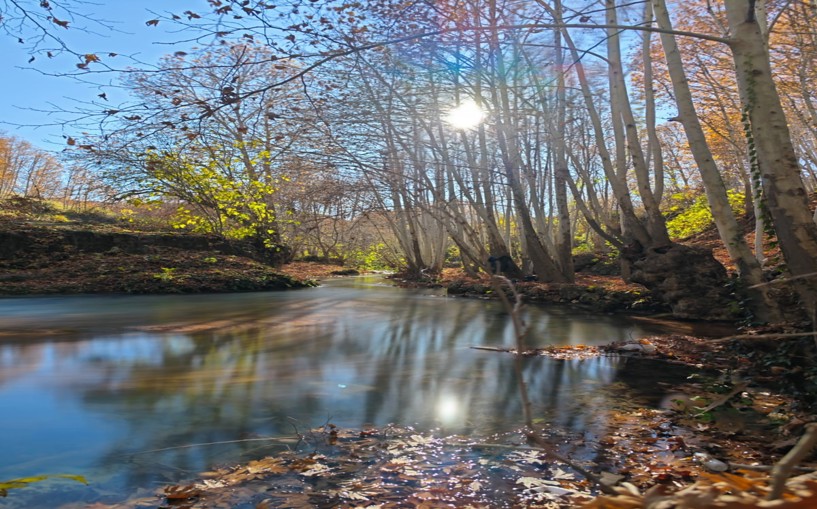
column 52, row 265
column 749, row 400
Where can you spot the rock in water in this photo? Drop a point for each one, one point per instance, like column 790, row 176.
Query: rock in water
column 688, row 279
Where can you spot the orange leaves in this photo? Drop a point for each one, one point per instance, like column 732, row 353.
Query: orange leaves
column 88, row 59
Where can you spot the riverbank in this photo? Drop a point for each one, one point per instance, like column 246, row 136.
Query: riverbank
column 593, row 292
column 49, row 259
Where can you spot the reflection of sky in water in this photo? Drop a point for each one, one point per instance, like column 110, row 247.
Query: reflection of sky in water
column 91, row 399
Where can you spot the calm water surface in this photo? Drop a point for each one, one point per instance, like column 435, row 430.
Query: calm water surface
column 120, row 389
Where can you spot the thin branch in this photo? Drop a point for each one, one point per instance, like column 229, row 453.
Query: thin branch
column 758, row 337
column 283, row 441
column 783, row 468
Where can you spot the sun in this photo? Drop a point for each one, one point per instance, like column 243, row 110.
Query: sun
column 465, row 116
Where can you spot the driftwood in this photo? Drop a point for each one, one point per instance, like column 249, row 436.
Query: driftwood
column 783, row 468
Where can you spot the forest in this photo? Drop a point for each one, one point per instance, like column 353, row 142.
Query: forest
column 411, row 135
column 509, row 137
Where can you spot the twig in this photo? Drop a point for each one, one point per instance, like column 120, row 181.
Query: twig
column 521, row 329
column 743, row 337
column 769, row 468
column 590, row 476
column 189, row 446
column 781, row 471
column 723, row 399
column 494, row 349
column 785, row 280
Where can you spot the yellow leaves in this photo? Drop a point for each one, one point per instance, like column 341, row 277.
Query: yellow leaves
column 26, row 481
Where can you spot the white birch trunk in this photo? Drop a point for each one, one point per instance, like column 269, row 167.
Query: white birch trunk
column 725, row 221
column 779, row 167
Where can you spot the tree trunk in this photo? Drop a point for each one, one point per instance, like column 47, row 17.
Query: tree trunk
column 564, row 238
column 618, row 95
column 763, row 306
column 779, row 167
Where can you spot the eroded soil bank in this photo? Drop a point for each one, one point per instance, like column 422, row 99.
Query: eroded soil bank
column 64, row 259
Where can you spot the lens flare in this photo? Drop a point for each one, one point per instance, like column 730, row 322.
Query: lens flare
column 465, row 116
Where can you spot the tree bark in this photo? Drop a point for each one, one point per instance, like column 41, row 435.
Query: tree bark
column 779, row 167
column 762, row 305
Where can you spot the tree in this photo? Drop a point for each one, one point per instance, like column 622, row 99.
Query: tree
column 195, row 138
column 764, row 306
column 28, row 171
column 776, row 158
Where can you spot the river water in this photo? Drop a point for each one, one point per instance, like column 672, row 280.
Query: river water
column 123, row 389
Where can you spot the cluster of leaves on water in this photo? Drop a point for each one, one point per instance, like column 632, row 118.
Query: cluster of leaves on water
column 390, row 467
column 648, row 459
column 699, row 449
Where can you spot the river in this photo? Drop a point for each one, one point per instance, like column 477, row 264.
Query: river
column 123, row 389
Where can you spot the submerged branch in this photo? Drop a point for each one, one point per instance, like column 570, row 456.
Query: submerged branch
column 758, row 337
column 520, row 331
column 283, row 441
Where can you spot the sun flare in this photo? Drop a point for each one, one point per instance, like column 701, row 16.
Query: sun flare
column 465, row 116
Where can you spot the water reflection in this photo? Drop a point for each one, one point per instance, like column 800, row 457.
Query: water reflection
column 121, row 389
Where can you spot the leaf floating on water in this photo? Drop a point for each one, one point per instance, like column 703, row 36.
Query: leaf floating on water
column 181, row 492
column 25, row 481
column 558, row 473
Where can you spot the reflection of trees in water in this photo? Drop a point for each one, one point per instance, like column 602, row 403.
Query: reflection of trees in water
column 349, row 357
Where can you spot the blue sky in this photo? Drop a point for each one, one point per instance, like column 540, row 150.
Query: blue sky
column 24, row 87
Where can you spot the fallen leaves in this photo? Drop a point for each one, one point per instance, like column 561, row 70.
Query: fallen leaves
column 569, row 352
column 712, row 491
column 389, row 468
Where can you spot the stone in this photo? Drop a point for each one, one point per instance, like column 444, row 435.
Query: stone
column 688, row 279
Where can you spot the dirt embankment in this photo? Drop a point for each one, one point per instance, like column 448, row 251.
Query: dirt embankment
column 37, row 259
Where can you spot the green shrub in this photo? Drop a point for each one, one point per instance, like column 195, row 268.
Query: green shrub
column 697, row 217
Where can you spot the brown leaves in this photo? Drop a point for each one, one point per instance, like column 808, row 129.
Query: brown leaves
column 152, row 22
column 726, row 491
column 59, row 22
column 177, row 493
